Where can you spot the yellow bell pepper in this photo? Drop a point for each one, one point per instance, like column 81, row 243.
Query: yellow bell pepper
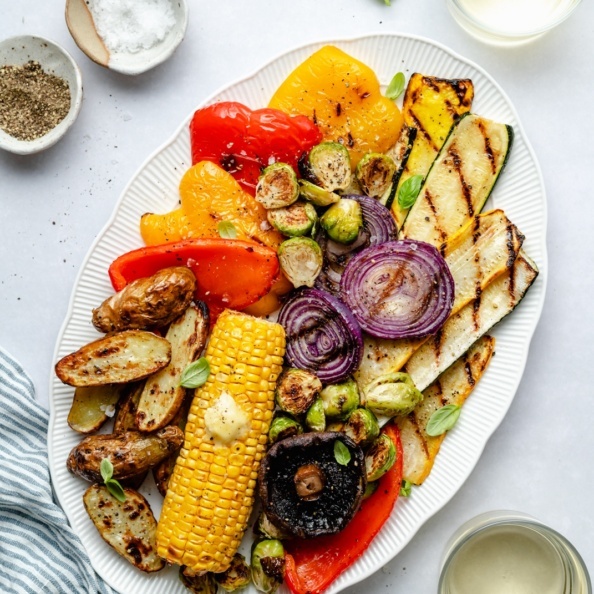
column 342, row 96
column 210, row 195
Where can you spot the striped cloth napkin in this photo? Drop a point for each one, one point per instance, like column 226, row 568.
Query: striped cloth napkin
column 39, row 552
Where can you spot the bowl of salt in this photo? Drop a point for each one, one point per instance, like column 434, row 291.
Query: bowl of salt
column 127, row 36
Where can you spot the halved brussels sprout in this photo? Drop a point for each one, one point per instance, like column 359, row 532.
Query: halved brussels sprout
column 316, row 195
column 380, row 458
column 336, row 425
column 330, row 166
column 277, row 186
column 266, row 528
column 343, row 220
column 283, row 427
column 340, row 399
column 370, row 489
column 301, row 260
column 374, row 174
column 268, row 565
column 296, row 390
column 392, row 394
column 295, row 220
column 315, row 419
column 197, row 583
column 362, row 427
column 236, row 577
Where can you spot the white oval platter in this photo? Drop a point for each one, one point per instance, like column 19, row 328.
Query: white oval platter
column 154, row 188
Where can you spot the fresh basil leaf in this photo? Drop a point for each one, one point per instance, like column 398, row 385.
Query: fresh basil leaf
column 341, row 453
column 106, row 469
column 396, row 86
column 116, row 489
column 387, row 3
column 409, row 190
column 405, row 488
column 227, row 230
column 443, row 419
column 195, row 374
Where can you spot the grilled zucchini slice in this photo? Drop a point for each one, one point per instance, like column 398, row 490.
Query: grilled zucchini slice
column 451, row 387
column 460, row 179
column 431, row 105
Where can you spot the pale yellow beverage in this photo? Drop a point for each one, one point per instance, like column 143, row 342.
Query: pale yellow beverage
column 508, row 559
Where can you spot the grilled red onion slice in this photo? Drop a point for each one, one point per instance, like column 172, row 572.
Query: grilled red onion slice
column 378, row 227
column 322, row 335
column 399, row 289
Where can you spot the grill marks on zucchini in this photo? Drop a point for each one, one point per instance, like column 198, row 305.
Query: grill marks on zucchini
column 452, row 387
column 461, row 330
column 460, row 179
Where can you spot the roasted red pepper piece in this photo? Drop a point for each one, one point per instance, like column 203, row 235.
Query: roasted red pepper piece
column 230, row 273
column 243, row 141
column 313, row 564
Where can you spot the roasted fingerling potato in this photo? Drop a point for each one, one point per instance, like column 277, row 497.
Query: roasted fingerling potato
column 125, row 416
column 146, row 303
column 129, row 527
column 131, row 453
column 92, row 407
column 116, row 359
column 163, row 395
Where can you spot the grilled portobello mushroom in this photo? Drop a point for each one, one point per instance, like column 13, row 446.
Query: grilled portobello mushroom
column 305, row 490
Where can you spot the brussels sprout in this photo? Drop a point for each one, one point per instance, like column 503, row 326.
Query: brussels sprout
column 196, row 583
column 362, row 427
column 236, row 577
column 277, row 186
column 315, row 419
column 343, row 220
column 340, row 399
column 295, row 220
column 301, row 260
column 336, row 425
column 392, row 394
column 370, row 489
column 296, row 390
column 374, row 174
column 330, row 166
column 266, row 528
column 283, row 427
column 380, row 458
column 268, row 565
column 317, row 195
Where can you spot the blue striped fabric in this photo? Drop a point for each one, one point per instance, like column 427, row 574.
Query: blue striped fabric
column 39, row 552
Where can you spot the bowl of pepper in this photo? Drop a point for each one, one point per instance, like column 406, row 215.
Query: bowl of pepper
column 40, row 93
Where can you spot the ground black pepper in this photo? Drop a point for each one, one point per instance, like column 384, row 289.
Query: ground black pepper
column 32, row 102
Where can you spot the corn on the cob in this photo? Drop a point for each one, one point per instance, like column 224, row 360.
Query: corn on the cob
column 211, row 491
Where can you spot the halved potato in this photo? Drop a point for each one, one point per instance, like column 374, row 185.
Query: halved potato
column 125, row 416
column 91, row 407
column 162, row 396
column 129, row 527
column 130, row 453
column 151, row 302
column 116, row 359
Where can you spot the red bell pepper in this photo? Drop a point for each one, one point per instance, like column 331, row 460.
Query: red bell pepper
column 313, row 564
column 243, row 141
column 229, row 273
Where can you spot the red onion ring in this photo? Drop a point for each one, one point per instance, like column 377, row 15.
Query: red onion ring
column 399, row 289
column 322, row 335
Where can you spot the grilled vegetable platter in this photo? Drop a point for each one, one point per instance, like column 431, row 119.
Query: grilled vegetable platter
column 273, row 368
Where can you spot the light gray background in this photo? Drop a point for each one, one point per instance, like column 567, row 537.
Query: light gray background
column 53, row 205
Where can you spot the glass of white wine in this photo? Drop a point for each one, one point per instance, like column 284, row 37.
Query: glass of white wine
column 510, row 22
column 509, row 552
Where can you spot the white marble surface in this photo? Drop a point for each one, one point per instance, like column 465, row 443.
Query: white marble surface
column 53, row 205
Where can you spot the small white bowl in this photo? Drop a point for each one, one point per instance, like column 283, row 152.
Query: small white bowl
column 53, row 59
column 82, row 28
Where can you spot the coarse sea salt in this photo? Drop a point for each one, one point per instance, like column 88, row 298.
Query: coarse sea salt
column 130, row 26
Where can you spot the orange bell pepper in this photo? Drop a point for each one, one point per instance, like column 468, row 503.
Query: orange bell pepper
column 342, row 96
column 313, row 564
column 272, row 301
column 210, row 195
column 229, row 273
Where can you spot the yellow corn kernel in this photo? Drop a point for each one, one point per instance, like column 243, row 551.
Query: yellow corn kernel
column 211, row 490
